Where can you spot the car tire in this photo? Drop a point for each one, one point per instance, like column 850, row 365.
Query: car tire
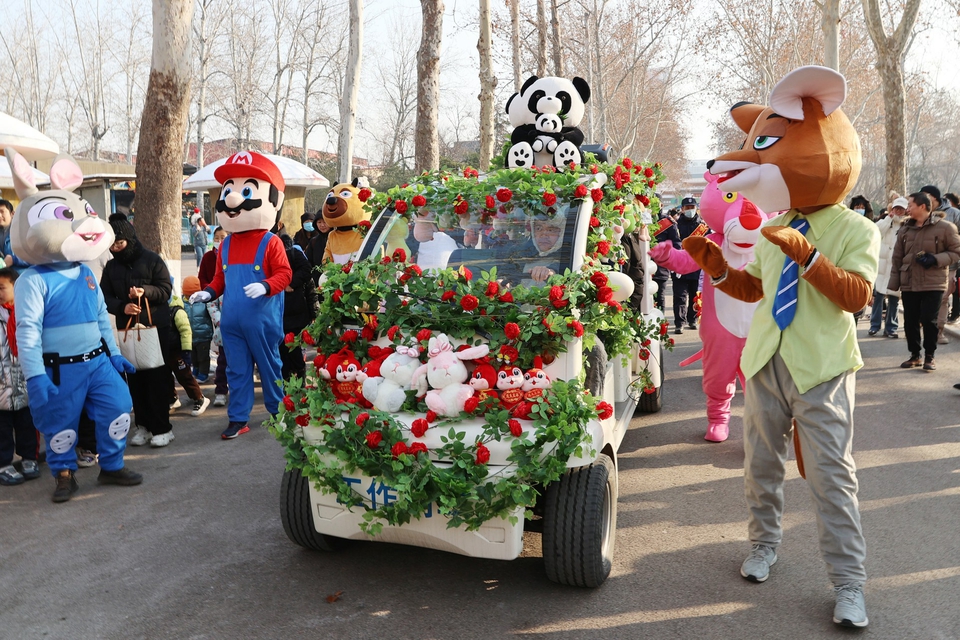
column 652, row 402
column 296, row 514
column 580, row 524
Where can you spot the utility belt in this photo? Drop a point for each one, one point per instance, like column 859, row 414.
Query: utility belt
column 54, row 360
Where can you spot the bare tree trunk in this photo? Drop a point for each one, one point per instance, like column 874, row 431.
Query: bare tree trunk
column 427, row 141
column 891, row 51
column 351, row 86
column 488, row 84
column 557, row 38
column 162, row 129
column 541, row 38
column 830, row 24
column 515, row 32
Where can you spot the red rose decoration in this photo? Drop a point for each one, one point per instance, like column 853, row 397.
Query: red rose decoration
column 373, row 439
column 511, row 330
column 599, row 279
column 362, row 417
column 645, row 343
column 447, row 295
column 596, row 194
column 288, row 403
column 604, row 295
column 424, row 335
column 469, row 302
column 504, row 195
column 559, row 304
column 594, row 221
column 577, row 327
column 415, row 270
column 368, row 333
column 515, row 428
column 417, row 448
column 461, row 207
column 483, row 454
column 509, row 354
column 349, row 336
column 399, row 449
column 491, row 203
column 393, row 331
column 467, row 274
column 319, row 361
column 431, row 416
column 506, row 297
column 493, row 288
column 670, row 342
column 364, row 224
column 648, row 172
column 303, row 419
column 603, row 247
column 628, row 163
column 471, row 404
column 399, row 255
column 400, row 206
column 581, row 190
column 643, row 354
column 364, row 194
column 385, row 260
column 604, row 410
column 644, row 200
column 651, row 184
column 337, row 295
column 419, row 427
column 419, row 201
column 289, row 338
column 549, row 199
column 470, row 172
column 347, row 267
column 556, row 292
column 307, row 338
column 649, row 390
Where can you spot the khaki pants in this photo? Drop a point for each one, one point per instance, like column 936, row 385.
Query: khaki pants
column 824, row 418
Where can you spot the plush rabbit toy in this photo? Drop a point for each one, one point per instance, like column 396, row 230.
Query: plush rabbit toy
column 447, row 374
column 388, row 391
column 62, row 324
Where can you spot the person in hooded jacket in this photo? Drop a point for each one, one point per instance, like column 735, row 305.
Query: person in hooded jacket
column 685, row 286
column 135, row 277
column 299, row 308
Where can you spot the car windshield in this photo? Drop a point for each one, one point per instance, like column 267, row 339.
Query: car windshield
column 525, row 248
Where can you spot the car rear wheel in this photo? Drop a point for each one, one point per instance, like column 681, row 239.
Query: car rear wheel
column 296, row 514
column 580, row 524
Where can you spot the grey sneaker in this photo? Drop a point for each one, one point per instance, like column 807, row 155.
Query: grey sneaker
column 220, row 400
column 756, row 568
column 850, row 611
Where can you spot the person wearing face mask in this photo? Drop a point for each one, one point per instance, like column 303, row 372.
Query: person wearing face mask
column 685, row 286
column 862, row 205
column 889, row 227
column 307, row 233
column 208, row 266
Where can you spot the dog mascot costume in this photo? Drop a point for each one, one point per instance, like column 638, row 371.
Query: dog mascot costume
column 725, row 321
column 252, row 272
column 814, row 268
column 66, row 345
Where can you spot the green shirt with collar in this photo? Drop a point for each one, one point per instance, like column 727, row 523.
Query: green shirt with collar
column 821, row 342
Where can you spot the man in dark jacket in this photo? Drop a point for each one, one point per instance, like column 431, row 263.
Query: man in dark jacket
column 135, row 278
column 685, row 286
column 299, row 310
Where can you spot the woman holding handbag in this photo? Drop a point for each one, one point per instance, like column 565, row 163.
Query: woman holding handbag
column 136, row 286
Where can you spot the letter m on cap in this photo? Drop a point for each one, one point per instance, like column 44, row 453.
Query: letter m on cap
column 243, row 157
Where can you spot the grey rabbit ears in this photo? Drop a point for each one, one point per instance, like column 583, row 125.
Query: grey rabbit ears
column 56, row 225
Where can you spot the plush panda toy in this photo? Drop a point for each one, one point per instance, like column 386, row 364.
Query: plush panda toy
column 545, row 116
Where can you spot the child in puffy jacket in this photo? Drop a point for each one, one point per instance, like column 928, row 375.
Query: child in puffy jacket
column 201, row 325
column 178, row 355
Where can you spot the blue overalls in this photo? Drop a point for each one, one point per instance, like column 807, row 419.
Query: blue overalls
column 85, row 379
column 252, row 329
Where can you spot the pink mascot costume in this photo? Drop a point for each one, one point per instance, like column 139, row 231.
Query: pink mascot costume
column 724, row 321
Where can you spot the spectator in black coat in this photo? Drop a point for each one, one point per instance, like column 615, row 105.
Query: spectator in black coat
column 685, row 286
column 299, row 308
column 317, row 246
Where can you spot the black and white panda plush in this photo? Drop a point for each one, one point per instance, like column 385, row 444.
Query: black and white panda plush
column 545, row 116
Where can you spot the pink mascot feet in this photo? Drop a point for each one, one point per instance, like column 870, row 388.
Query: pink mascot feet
column 724, row 321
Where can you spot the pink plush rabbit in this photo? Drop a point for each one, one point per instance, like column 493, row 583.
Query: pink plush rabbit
column 447, row 374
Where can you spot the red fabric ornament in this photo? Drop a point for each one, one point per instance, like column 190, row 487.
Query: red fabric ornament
column 599, row 279
column 580, row 191
column 419, row 427
column 504, row 195
column 364, row 194
column 604, row 410
column 373, row 439
column 399, row 449
column 549, row 199
column 515, row 429
column 483, row 454
column 417, row 448
column 596, row 194
column 307, row 338
column 469, row 302
column 493, row 288
column 288, row 403
column 419, row 201
column 400, row 206
column 511, row 330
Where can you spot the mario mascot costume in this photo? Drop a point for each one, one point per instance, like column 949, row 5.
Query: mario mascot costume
column 66, row 346
column 814, row 268
column 725, row 321
column 252, row 272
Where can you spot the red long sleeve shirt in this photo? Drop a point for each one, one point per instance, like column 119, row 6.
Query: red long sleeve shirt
column 243, row 250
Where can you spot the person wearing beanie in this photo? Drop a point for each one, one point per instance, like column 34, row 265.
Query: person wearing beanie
column 134, row 278
column 308, row 231
column 201, row 323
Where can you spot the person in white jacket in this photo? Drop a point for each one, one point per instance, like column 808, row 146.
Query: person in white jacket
column 888, row 227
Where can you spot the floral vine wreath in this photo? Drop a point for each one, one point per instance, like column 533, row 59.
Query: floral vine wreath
column 519, row 324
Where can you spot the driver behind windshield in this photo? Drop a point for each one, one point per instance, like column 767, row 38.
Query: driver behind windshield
column 538, row 257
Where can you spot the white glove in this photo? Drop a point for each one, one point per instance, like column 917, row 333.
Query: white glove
column 255, row 290
column 200, row 296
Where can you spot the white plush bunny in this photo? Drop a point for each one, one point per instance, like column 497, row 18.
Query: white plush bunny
column 447, row 374
column 388, row 391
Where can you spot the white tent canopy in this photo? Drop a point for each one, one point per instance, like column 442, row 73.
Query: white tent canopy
column 28, row 142
column 294, row 173
column 6, row 178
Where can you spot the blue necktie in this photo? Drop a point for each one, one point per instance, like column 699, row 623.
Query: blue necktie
column 785, row 302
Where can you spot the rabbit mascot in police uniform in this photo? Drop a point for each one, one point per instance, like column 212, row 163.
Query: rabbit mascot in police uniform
column 67, row 349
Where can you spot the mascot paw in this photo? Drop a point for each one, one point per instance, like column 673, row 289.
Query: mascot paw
column 200, row 296
column 122, row 365
column 790, row 241
column 707, row 254
column 520, row 155
column 566, row 154
column 717, row 433
column 39, row 389
column 660, row 251
column 255, row 290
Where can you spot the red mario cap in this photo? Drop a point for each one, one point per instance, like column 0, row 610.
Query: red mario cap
column 250, row 164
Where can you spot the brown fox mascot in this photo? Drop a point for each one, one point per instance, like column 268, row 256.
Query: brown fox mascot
column 814, row 266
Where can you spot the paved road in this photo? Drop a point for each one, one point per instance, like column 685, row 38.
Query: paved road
column 197, row 551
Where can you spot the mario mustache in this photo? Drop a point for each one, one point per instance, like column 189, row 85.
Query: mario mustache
column 246, row 205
